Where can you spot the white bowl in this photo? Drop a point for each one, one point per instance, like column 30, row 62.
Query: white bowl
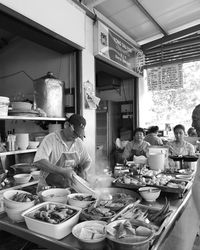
column 55, row 195
column 149, row 194
column 33, row 144
column 16, row 205
column 81, row 200
column 57, row 231
column 21, row 105
column 22, row 178
column 95, row 229
column 36, row 175
column 14, row 214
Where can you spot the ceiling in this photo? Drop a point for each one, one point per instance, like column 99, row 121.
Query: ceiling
column 154, row 24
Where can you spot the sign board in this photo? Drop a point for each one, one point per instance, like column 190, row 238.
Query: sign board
column 165, row 77
column 117, row 50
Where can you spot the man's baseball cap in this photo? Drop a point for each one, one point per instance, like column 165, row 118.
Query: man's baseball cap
column 79, row 123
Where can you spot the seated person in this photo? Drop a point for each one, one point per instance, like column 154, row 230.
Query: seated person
column 137, row 146
column 192, row 136
column 192, row 132
column 152, row 136
column 179, row 146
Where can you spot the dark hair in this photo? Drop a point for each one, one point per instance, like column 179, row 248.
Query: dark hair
column 153, row 129
column 179, row 126
column 192, row 132
column 138, row 130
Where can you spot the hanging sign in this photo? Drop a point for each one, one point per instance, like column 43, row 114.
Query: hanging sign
column 117, row 50
column 165, row 77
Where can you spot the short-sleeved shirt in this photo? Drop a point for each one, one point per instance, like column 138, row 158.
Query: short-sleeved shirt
column 56, row 151
column 185, row 149
column 153, row 139
column 132, row 148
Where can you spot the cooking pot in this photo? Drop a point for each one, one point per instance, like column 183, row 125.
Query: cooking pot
column 156, row 161
column 48, row 95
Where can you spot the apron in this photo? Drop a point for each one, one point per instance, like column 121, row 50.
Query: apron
column 67, row 159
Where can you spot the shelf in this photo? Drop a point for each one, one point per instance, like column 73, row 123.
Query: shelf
column 30, row 183
column 9, row 117
column 26, row 151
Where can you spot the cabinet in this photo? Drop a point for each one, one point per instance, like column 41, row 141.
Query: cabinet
column 5, row 156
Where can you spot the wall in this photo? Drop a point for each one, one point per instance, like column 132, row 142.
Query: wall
column 56, row 17
column 88, row 74
column 35, row 60
column 124, row 93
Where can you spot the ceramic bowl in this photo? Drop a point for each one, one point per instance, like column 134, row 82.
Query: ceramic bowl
column 10, row 203
column 21, row 105
column 149, row 194
column 81, row 200
column 90, row 234
column 59, row 195
column 22, row 178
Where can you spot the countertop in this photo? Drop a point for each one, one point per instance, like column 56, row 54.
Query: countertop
column 177, row 205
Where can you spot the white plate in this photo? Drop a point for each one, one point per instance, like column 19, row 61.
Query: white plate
column 183, row 177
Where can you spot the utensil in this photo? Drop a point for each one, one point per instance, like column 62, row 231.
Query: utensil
column 129, row 206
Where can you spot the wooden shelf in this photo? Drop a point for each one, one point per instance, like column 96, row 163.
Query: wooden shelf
column 26, row 151
column 32, row 118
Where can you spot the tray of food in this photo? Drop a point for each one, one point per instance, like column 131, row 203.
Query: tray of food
column 149, row 216
column 165, row 182
column 110, row 201
column 52, row 219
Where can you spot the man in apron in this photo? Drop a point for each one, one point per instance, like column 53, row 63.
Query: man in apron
column 62, row 153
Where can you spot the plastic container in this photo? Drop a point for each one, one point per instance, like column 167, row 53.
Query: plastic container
column 4, row 103
column 56, row 231
column 156, row 161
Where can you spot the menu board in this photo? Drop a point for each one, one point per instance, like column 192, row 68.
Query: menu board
column 165, row 77
column 115, row 48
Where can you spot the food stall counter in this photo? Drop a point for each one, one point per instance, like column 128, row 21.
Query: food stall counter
column 177, row 206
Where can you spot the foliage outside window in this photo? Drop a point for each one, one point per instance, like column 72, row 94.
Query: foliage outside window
column 175, row 105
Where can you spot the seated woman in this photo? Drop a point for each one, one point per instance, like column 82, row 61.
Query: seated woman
column 179, row 146
column 137, row 146
column 152, row 136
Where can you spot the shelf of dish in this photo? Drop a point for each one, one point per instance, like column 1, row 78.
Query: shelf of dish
column 18, row 152
column 32, row 118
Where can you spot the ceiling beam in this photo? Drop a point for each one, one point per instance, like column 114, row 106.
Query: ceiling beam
column 170, row 37
column 146, row 13
column 92, row 3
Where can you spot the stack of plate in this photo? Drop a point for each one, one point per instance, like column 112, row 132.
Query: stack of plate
column 81, row 186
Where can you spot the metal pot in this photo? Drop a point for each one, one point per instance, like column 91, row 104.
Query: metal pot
column 49, row 94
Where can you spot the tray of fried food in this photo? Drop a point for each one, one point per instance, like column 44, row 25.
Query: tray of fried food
column 155, row 217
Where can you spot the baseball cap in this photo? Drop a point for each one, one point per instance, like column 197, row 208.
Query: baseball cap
column 79, row 123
